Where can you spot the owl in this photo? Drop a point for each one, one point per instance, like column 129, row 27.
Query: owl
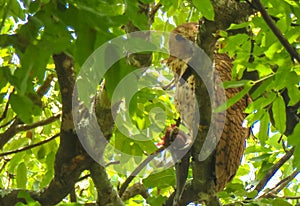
column 230, row 147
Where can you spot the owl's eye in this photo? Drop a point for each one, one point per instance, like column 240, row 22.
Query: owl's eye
column 178, row 37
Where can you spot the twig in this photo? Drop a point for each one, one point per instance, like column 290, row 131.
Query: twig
column 291, row 197
column 43, row 89
column 16, row 127
column 112, row 163
column 273, row 170
column 290, row 49
column 154, row 10
column 29, row 147
column 37, row 124
column 280, row 185
column 138, row 169
column 285, row 181
column 284, row 197
column 5, row 162
column 3, row 116
column 5, row 111
column 83, row 177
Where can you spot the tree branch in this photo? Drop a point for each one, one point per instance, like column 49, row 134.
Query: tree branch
column 3, row 116
column 71, row 159
column 44, row 122
column 135, row 189
column 137, row 170
column 280, row 185
column 16, row 128
column 43, row 89
column 290, row 49
column 273, row 170
column 29, row 147
column 106, row 193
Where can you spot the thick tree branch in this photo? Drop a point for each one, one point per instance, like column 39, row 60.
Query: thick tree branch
column 203, row 185
column 106, row 193
column 70, row 159
column 135, row 189
column 269, row 21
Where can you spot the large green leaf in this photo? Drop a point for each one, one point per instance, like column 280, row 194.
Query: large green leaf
column 132, row 11
column 24, row 107
column 161, row 179
column 279, row 114
column 263, row 133
column 206, row 8
column 247, row 86
column 21, row 175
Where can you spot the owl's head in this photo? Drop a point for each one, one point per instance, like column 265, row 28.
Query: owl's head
column 182, row 40
column 187, row 30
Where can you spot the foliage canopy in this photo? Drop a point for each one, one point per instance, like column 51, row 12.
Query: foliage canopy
column 34, row 35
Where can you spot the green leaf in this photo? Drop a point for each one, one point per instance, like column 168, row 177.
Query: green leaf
column 41, row 153
column 236, row 98
column 264, row 128
column 35, row 67
column 161, row 179
column 263, row 88
column 296, row 160
column 147, row 146
column 280, row 202
column 21, row 175
column 261, row 102
column 160, row 200
column 235, row 84
column 117, row 72
column 261, row 157
column 263, row 70
column 24, row 107
column 254, row 117
column 279, row 114
column 206, row 8
column 294, row 139
column 234, row 44
column 232, row 187
column 274, row 48
column 139, row 19
column 238, row 26
column 85, row 43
